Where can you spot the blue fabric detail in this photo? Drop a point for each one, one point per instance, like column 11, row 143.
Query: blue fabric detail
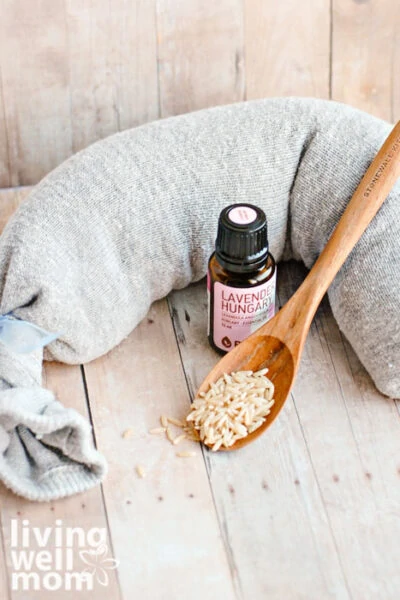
column 23, row 337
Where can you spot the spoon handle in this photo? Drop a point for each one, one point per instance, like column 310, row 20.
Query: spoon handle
column 369, row 196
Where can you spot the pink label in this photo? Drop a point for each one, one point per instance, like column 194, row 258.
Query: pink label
column 208, row 301
column 240, row 311
column 242, row 215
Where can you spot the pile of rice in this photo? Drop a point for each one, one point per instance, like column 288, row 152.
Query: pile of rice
column 234, row 406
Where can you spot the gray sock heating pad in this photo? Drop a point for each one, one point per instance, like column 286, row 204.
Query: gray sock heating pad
column 132, row 217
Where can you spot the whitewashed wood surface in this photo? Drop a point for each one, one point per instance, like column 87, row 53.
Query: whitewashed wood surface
column 310, row 511
column 75, row 71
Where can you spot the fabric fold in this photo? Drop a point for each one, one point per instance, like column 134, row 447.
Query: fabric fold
column 46, row 450
column 126, row 220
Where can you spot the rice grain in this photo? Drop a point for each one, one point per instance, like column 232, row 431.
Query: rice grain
column 186, row 454
column 170, row 435
column 127, row 433
column 140, row 471
column 179, row 439
column 235, row 405
column 176, row 422
column 157, row 430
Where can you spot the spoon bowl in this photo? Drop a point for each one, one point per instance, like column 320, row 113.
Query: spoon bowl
column 263, row 349
column 255, row 353
column 278, row 344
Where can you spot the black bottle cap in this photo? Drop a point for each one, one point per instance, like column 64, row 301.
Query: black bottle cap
column 242, row 238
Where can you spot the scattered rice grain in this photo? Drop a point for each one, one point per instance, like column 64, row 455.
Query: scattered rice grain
column 176, row 422
column 157, row 430
column 170, row 435
column 127, row 433
column 140, row 471
column 179, row 439
column 186, row 454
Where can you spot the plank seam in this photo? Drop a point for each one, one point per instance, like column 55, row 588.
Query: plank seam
column 243, row 91
column 330, row 48
column 311, row 463
column 346, row 354
column 156, row 26
column 222, row 525
column 67, row 39
column 4, row 553
column 322, row 498
column 86, row 392
column 5, row 127
column 342, row 392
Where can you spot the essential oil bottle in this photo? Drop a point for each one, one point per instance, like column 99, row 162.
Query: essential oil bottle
column 241, row 277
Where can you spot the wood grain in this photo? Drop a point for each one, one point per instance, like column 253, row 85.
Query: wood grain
column 94, row 113
column 35, row 88
column 10, row 199
column 164, row 528
column 278, row 344
column 366, row 56
column 70, row 75
column 4, row 158
column 73, row 72
column 344, row 420
column 112, row 67
column 311, row 509
column 133, row 62
column 395, row 112
column 323, row 467
column 269, row 505
column 4, row 584
column 84, row 510
column 287, row 48
column 200, row 54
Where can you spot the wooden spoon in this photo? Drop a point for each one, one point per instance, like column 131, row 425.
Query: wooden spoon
column 279, row 343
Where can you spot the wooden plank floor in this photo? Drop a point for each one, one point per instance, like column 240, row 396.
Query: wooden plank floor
column 310, row 511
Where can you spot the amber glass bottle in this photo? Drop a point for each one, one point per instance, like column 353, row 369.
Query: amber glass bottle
column 241, row 277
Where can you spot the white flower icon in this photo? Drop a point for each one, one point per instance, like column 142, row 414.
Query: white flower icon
column 99, row 564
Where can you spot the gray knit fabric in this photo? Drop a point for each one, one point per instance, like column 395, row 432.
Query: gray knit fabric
column 46, row 450
column 123, row 222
